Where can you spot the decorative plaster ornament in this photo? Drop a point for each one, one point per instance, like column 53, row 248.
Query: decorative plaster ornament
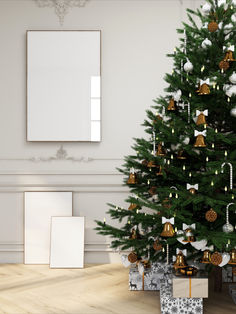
column 186, row 140
column 228, row 28
column 199, row 245
column 177, row 95
column 225, row 259
column 188, row 66
column 206, row 43
column 232, row 78
column 231, row 91
column 206, row 8
column 61, row 7
column 233, row 112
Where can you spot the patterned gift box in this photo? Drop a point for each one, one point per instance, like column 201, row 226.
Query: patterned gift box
column 170, row 305
column 228, row 275
column 151, row 279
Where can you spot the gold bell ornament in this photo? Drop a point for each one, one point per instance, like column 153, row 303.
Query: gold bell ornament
column 180, row 259
column 132, row 177
column 192, row 188
column 188, row 230
column 200, row 140
column 206, row 259
column 204, row 88
column 201, row 117
column 182, row 155
column 160, row 150
column 229, row 55
column 151, row 164
column 168, row 230
column 172, row 105
column 232, row 257
column 133, row 206
column 159, row 173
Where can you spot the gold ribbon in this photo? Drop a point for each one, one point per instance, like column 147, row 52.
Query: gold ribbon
column 190, row 287
column 143, row 281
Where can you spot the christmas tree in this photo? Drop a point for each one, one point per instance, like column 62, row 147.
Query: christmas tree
column 181, row 176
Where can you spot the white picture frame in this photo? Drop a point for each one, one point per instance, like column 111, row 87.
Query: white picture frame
column 67, row 242
column 39, row 208
column 64, row 86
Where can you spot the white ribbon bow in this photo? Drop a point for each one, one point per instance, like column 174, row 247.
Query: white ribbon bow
column 205, row 112
column 207, row 81
column 196, row 133
column 231, row 48
column 209, row 248
column 182, row 105
column 195, row 186
column 171, row 220
column 193, row 226
column 181, row 251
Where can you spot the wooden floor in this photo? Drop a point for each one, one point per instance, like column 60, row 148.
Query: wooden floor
column 100, row 289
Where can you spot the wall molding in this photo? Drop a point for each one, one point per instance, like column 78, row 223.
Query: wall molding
column 61, row 7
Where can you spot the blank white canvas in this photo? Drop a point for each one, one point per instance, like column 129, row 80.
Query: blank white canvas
column 67, row 242
column 39, row 208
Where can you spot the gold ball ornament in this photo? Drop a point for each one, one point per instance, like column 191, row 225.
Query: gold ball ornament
column 224, row 65
column 211, row 215
column 213, row 26
column 157, row 246
column 132, row 257
column 216, row 258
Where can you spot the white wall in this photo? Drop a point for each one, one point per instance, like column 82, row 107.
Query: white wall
column 136, row 35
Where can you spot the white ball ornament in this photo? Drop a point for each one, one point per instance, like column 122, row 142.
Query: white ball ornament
column 206, row 43
column 188, row 67
column 228, row 228
column 233, row 112
column 232, row 78
column 206, row 8
column 233, row 18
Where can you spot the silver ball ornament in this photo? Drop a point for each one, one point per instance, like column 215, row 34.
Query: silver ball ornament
column 232, row 78
column 233, row 112
column 228, row 228
column 188, row 66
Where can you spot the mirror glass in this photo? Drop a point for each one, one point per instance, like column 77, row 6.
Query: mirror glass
column 63, row 86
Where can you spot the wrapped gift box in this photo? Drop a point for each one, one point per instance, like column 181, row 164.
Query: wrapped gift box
column 232, row 291
column 190, row 287
column 169, row 304
column 228, row 275
column 151, row 279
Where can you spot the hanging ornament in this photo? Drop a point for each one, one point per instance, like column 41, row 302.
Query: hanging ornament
column 204, row 88
column 157, row 246
column 222, row 3
column 151, row 164
column 216, row 259
column 206, row 43
column 228, row 228
column 225, row 259
column 232, row 257
column 133, row 206
column 172, row 105
column 233, row 18
column 233, row 112
column 133, row 235
column 206, row 8
column 188, row 66
column 168, row 230
column 211, row 215
column 224, row 65
column 180, row 239
column 166, row 203
column 159, row 173
column 234, row 3
column 125, row 261
column 229, row 56
column 177, row 95
column 230, row 90
column 201, row 117
column 230, row 173
column 212, row 26
column 145, row 163
column 180, row 259
column 160, row 150
column 132, row 257
column 206, row 259
column 132, row 177
column 200, row 141
column 189, row 271
column 192, row 188
column 228, row 28
column 232, row 78
column 182, row 155
column 188, row 230
column 152, row 190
